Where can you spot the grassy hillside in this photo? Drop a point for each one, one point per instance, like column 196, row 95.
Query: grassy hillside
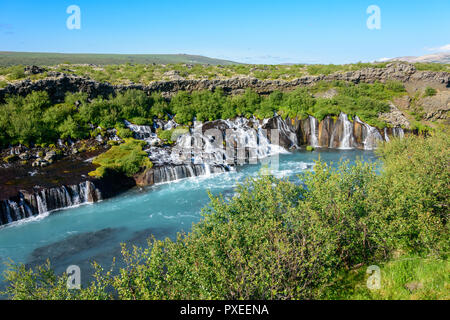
column 8, row 58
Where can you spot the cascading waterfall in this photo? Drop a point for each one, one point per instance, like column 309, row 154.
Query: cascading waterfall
column 143, row 133
column 48, row 200
column 371, row 135
column 346, row 139
column 222, row 144
column 398, row 132
column 170, row 173
column 313, row 138
column 386, row 136
column 243, row 143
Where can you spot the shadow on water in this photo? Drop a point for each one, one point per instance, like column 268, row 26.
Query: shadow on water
column 85, row 248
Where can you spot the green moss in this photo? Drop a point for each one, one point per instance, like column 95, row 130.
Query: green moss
column 124, row 133
column 171, row 135
column 429, row 92
column 309, row 148
column 127, row 158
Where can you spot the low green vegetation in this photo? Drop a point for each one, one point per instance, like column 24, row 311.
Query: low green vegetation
column 35, row 120
column 429, row 92
column 48, row 58
column 437, row 67
column 127, row 158
column 171, row 135
column 117, row 69
column 279, row 240
column 410, row 277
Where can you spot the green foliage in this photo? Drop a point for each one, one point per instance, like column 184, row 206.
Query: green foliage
column 407, row 278
column 124, row 133
column 127, row 158
column 279, row 240
column 21, row 119
column 411, row 197
column 73, row 117
column 429, row 92
column 171, row 135
column 144, row 69
column 437, row 67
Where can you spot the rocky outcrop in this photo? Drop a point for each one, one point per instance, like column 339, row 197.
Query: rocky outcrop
column 59, row 84
column 395, row 117
column 435, row 108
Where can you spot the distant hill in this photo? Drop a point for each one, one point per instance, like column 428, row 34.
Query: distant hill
column 443, row 57
column 8, row 58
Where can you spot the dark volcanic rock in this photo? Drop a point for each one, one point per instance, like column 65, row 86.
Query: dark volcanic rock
column 33, row 70
column 58, row 85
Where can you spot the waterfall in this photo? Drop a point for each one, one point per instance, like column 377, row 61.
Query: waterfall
column 287, row 132
column 386, row 136
column 9, row 219
column 346, row 139
column 41, row 202
column 371, row 135
column 224, row 142
column 170, row 173
column 313, row 137
column 143, row 133
column 48, row 200
column 398, row 132
column 207, row 169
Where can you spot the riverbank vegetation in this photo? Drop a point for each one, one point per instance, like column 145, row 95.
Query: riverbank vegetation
column 127, row 158
column 279, row 240
column 35, row 120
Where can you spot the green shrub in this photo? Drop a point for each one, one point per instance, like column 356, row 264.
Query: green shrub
column 171, row 135
column 124, row 132
column 429, row 92
column 127, row 158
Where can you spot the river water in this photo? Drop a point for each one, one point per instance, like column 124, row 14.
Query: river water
column 78, row 236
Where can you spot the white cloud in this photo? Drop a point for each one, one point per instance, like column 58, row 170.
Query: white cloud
column 440, row 49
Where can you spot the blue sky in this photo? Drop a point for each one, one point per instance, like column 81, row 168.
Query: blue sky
column 250, row 31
